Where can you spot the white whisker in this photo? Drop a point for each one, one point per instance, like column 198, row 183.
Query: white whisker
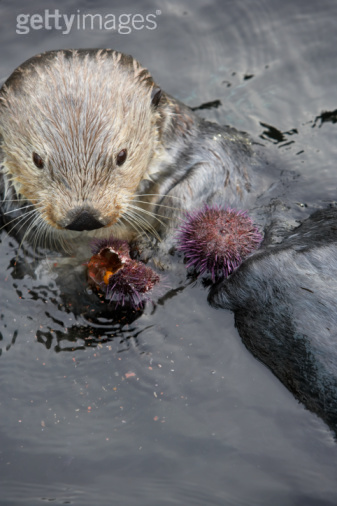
column 141, row 220
column 149, row 213
column 130, row 220
column 157, row 195
column 17, row 219
column 16, row 210
column 27, row 232
column 154, row 204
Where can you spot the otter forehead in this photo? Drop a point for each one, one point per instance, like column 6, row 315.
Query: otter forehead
column 67, row 69
column 81, row 101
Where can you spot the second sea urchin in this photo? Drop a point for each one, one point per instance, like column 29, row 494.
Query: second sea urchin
column 217, row 240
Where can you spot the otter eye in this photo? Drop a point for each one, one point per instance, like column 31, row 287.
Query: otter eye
column 121, row 157
column 156, row 96
column 39, row 163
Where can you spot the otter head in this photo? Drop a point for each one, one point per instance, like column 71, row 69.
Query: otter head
column 80, row 130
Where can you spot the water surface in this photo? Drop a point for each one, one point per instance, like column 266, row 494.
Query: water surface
column 168, row 407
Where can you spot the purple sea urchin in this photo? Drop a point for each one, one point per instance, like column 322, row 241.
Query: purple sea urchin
column 217, row 240
column 122, row 279
column 131, row 283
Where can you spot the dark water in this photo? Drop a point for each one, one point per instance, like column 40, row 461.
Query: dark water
column 168, row 407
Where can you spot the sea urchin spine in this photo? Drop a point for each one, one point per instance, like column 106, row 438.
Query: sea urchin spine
column 217, row 240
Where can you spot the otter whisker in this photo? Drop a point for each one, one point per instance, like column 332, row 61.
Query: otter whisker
column 28, row 216
column 24, row 221
column 34, row 215
column 17, row 219
column 12, row 200
column 61, row 241
column 28, row 231
column 130, row 220
column 145, row 223
column 16, row 210
column 134, row 218
column 148, row 213
column 52, row 236
column 39, row 225
column 155, row 205
column 176, row 217
column 157, row 195
column 57, row 239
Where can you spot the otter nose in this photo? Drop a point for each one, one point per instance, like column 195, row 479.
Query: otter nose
column 83, row 219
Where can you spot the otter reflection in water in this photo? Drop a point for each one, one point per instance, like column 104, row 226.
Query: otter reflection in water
column 92, row 147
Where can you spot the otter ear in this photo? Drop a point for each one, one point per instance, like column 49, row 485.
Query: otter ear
column 156, row 96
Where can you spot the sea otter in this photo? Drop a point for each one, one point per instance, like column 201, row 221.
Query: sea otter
column 92, row 147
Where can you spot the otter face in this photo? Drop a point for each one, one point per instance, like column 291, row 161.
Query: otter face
column 80, row 130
